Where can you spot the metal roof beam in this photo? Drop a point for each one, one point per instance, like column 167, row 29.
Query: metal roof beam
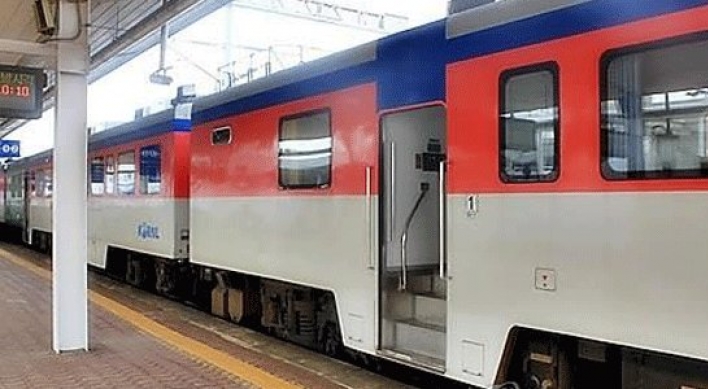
column 182, row 21
column 328, row 12
column 143, row 28
column 28, row 48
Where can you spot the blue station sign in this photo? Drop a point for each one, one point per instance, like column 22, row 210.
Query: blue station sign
column 9, row 148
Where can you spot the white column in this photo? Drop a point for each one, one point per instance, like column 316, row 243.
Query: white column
column 69, row 216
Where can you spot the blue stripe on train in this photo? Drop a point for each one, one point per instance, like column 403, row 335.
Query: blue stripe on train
column 119, row 136
column 410, row 66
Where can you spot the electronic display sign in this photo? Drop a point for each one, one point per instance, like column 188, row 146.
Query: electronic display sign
column 21, row 92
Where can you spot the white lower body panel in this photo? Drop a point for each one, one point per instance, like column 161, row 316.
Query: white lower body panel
column 40, row 216
column 156, row 226
column 630, row 269
column 323, row 242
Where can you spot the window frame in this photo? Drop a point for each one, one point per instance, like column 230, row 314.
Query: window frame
column 606, row 171
column 144, row 190
column 32, row 181
column 504, row 77
column 90, row 177
column 299, row 115
column 135, row 191
column 221, row 128
column 39, row 183
column 48, row 180
column 110, row 157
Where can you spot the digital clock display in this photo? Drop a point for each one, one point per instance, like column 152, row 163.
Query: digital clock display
column 21, row 92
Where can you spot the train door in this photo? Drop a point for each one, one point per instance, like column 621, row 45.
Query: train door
column 412, row 285
column 27, row 188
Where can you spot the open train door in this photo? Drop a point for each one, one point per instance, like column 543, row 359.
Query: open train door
column 413, row 285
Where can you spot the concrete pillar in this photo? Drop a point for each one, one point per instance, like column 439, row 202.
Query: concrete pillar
column 69, row 215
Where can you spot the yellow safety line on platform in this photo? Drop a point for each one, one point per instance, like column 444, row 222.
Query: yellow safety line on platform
column 194, row 348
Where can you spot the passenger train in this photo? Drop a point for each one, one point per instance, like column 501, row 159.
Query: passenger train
column 514, row 196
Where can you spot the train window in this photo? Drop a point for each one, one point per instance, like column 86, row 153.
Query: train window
column 305, row 150
column 97, row 176
column 529, row 124
column 32, row 183
column 126, row 173
column 150, row 169
column 16, row 186
column 221, row 136
column 47, row 186
column 109, row 175
column 655, row 111
column 39, row 183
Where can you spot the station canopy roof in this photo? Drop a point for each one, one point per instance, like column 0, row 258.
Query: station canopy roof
column 119, row 30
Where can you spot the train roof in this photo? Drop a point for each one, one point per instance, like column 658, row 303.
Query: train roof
column 409, row 67
column 42, row 158
column 143, row 128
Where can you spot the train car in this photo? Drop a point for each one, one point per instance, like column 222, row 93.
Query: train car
column 30, row 194
column 138, row 200
column 514, row 195
column 22, row 215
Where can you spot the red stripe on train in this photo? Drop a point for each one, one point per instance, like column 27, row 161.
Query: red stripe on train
column 473, row 109
column 249, row 165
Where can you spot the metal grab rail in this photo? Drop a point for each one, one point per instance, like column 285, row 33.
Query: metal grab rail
column 443, row 220
column 369, row 219
column 392, row 202
column 403, row 278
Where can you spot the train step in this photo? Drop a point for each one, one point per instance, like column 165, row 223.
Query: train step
column 414, row 359
column 430, row 308
column 420, row 338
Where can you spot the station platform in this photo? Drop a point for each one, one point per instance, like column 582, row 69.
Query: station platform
column 133, row 344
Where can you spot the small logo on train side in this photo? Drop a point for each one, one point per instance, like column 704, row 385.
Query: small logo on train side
column 147, row 231
column 150, row 152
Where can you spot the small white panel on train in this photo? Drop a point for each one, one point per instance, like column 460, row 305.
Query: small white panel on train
column 545, row 279
column 473, row 358
column 355, row 330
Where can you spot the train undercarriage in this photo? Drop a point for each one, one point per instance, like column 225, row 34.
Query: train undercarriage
column 303, row 315
column 533, row 359
column 541, row 360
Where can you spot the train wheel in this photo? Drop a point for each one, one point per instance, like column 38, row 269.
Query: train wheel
column 134, row 274
column 165, row 278
column 331, row 341
column 41, row 242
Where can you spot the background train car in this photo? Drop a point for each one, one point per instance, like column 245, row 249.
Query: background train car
column 139, row 200
column 14, row 209
column 487, row 199
column 27, row 194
